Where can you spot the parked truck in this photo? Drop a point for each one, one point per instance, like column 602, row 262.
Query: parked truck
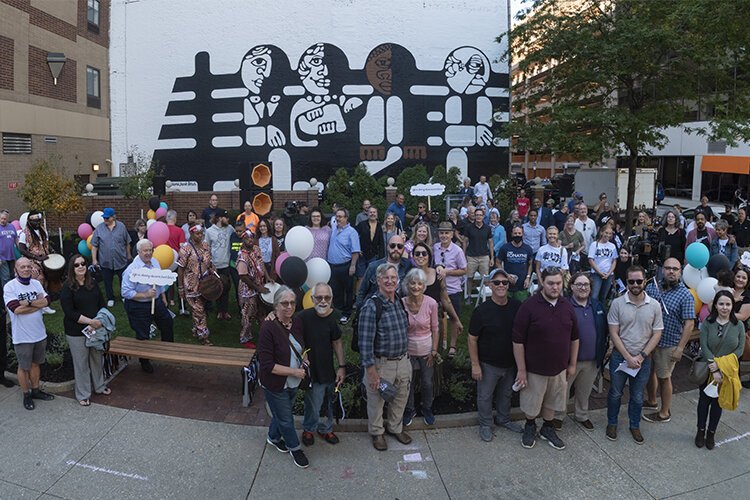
column 614, row 182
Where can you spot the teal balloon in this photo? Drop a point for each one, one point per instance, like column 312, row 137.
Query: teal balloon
column 163, row 205
column 17, row 252
column 84, row 249
column 697, row 255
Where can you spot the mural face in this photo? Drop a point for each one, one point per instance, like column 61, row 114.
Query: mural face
column 310, row 120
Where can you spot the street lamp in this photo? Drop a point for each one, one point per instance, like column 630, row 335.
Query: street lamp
column 55, row 61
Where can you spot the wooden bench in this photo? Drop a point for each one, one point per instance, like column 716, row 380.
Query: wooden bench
column 190, row 354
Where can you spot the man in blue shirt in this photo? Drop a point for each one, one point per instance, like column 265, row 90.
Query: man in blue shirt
column 110, row 249
column 398, row 208
column 343, row 253
column 138, row 298
column 516, row 257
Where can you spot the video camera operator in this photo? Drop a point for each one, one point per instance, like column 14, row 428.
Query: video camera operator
column 291, row 214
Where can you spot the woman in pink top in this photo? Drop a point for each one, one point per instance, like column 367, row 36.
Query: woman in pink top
column 423, row 337
column 321, row 232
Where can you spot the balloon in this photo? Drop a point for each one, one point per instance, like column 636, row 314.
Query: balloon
column 153, row 202
column 706, row 290
column 280, row 260
column 717, row 263
column 88, row 218
column 299, row 242
column 164, row 205
column 692, row 276
column 84, row 249
column 151, row 215
column 17, row 252
column 704, row 313
column 175, row 256
column 165, row 255
column 97, row 218
column 293, row 272
column 158, row 233
column 22, row 219
column 307, row 302
column 697, row 254
column 85, row 230
column 149, row 223
column 318, row 271
column 161, row 212
column 696, row 301
column 16, row 224
column 88, row 241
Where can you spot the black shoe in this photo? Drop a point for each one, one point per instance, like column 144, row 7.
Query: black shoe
column 7, row 383
column 40, row 394
column 279, row 445
column 710, row 440
column 300, row 460
column 700, row 438
column 548, row 434
column 28, row 403
column 528, row 440
column 146, row 366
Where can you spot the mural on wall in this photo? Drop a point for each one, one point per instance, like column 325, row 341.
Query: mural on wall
column 319, row 115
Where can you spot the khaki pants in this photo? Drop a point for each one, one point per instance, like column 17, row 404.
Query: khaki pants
column 397, row 372
column 584, row 382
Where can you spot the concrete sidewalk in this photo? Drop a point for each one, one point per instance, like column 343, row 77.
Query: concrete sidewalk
column 61, row 450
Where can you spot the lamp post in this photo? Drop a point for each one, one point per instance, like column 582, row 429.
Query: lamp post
column 55, row 61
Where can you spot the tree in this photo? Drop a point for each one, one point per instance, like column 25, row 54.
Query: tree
column 139, row 175
column 46, row 188
column 351, row 189
column 612, row 74
column 450, row 180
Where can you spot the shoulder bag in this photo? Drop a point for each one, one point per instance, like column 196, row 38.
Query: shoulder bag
column 306, row 382
column 699, row 369
column 210, row 285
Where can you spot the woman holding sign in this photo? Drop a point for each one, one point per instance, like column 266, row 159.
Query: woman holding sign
column 193, row 265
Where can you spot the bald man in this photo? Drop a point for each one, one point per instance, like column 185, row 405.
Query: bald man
column 25, row 298
column 678, row 310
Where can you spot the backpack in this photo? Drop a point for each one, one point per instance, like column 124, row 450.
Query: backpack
column 355, row 321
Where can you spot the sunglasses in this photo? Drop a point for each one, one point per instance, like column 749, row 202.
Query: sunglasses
column 421, row 253
column 79, row 264
column 500, row 282
column 635, row 282
column 288, row 303
column 400, row 246
column 322, row 298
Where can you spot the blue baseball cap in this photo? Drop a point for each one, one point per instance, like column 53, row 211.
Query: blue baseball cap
column 108, row 212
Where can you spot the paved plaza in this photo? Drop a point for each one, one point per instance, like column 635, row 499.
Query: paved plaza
column 61, row 450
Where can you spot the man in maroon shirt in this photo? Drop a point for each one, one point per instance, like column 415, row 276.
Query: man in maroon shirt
column 545, row 345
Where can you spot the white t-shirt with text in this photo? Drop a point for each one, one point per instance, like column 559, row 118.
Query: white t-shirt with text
column 26, row 328
column 603, row 255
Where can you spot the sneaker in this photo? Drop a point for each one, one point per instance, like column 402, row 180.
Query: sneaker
column 429, row 418
column 330, row 437
column 647, row 405
column 300, row 460
column 586, row 424
column 485, row 433
column 557, row 424
column 48, row 310
column 655, row 418
column 512, row 426
column 279, row 445
column 611, row 432
column 637, row 436
column 40, row 394
column 28, row 403
column 549, row 434
column 700, row 438
column 308, row 438
column 111, row 303
column 529, row 436
column 408, row 418
column 344, row 319
column 710, row 440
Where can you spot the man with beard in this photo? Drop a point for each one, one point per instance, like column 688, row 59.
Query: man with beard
column 679, row 315
column 635, row 326
column 393, row 255
column 33, row 243
column 323, row 337
column 110, row 249
column 701, row 232
column 741, row 230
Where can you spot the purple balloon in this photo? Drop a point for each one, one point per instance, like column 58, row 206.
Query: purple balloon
column 85, row 230
column 16, row 224
column 280, row 260
column 161, row 212
column 158, row 233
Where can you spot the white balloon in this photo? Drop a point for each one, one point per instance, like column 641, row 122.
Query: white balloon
column 97, row 218
column 706, row 291
column 318, row 271
column 22, row 219
column 299, row 242
column 148, row 222
column 173, row 267
column 692, row 276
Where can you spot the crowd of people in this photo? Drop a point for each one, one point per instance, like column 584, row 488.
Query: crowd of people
column 562, row 291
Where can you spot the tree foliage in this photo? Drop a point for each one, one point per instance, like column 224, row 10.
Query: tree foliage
column 351, row 189
column 504, row 194
column 451, row 180
column 140, row 179
column 48, row 189
column 612, row 74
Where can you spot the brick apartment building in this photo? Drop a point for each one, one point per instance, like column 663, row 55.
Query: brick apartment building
column 39, row 117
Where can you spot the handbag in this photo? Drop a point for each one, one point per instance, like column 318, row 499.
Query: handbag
column 306, row 382
column 698, row 373
column 210, row 285
column 746, row 352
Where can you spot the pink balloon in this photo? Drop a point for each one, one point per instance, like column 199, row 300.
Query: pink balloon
column 280, row 260
column 85, row 230
column 161, row 212
column 158, row 233
column 16, row 224
column 704, row 313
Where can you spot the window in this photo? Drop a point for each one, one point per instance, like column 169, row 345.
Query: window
column 16, row 144
column 93, row 98
column 92, row 15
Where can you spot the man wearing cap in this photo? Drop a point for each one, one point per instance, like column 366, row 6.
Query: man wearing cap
column 491, row 352
column 110, row 250
column 217, row 237
column 577, row 198
column 450, row 264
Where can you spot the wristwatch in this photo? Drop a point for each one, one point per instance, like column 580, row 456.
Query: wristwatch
column 643, row 354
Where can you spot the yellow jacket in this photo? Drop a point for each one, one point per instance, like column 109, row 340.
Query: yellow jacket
column 729, row 390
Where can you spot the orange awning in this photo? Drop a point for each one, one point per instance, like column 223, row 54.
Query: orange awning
column 726, row 164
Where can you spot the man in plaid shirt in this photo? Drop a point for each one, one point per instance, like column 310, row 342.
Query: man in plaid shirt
column 382, row 348
column 678, row 308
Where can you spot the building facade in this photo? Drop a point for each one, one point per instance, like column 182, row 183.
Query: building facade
column 66, row 118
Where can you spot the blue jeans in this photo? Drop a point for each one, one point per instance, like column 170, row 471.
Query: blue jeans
column 109, row 276
column 314, row 399
column 282, row 420
column 420, row 369
column 617, row 384
column 600, row 288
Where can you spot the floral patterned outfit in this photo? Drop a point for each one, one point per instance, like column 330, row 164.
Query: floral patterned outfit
column 40, row 249
column 249, row 263
column 195, row 259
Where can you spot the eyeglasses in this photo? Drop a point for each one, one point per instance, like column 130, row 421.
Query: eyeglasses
column 79, row 264
column 287, row 303
column 500, row 282
column 635, row 282
column 422, row 253
column 671, row 268
column 581, row 285
column 396, row 245
column 322, row 298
